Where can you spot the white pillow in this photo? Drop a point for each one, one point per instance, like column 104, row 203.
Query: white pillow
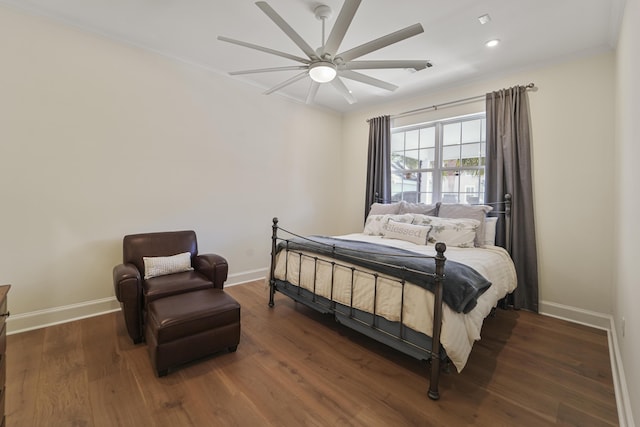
column 163, row 265
column 490, row 230
column 417, row 234
column 374, row 223
column 459, row 232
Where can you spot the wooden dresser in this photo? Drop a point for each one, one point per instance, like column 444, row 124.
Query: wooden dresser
column 4, row 313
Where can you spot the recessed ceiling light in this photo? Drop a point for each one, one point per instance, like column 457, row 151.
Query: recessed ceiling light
column 492, row 43
column 484, row 18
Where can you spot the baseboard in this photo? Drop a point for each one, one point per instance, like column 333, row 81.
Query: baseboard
column 607, row 323
column 625, row 415
column 17, row 323
column 575, row 315
column 247, row 276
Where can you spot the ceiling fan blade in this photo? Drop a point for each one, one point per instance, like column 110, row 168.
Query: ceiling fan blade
column 290, row 32
column 264, row 49
column 313, row 90
column 268, row 70
column 341, row 26
column 287, row 82
column 344, row 91
column 370, row 65
column 381, row 42
column 352, row 75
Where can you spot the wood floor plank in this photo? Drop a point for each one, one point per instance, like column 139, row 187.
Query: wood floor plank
column 23, row 371
column 63, row 390
column 297, row 367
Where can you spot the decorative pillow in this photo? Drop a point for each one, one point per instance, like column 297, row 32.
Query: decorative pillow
column 419, row 219
column 490, row 223
column 374, row 223
column 459, row 232
column 385, row 208
column 459, row 210
column 417, row 234
column 418, row 208
column 163, row 265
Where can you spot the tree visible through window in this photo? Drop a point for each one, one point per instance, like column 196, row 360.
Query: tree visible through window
column 440, row 161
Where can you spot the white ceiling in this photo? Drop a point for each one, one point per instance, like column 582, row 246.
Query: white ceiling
column 531, row 31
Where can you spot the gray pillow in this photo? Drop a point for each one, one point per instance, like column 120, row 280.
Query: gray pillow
column 458, row 210
column 418, row 208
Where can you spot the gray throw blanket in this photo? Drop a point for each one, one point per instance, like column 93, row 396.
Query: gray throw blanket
column 462, row 284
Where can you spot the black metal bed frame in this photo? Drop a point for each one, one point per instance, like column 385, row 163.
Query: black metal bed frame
column 393, row 334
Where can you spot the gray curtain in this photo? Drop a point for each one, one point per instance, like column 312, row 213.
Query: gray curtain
column 509, row 171
column 378, row 162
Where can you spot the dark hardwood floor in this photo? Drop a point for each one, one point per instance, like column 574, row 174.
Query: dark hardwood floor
column 295, row 367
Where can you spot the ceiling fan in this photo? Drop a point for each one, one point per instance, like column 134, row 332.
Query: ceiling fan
column 327, row 64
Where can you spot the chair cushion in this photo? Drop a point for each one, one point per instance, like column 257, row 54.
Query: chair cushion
column 190, row 313
column 174, row 284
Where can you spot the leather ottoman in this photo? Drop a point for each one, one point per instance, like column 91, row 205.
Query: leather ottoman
column 185, row 327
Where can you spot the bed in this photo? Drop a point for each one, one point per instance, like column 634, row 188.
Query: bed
column 393, row 282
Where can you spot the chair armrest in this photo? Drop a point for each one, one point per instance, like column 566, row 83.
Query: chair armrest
column 213, row 266
column 127, row 282
column 128, row 286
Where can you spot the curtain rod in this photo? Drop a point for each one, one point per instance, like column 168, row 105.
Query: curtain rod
column 444, row 104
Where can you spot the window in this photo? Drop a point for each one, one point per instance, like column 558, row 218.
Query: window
column 439, row 161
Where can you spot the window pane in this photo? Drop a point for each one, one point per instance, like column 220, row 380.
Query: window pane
column 426, row 187
column 471, row 186
column 427, row 158
column 471, row 131
column 411, row 159
column 411, row 140
column 428, row 137
column 449, row 184
column 451, row 134
column 450, row 156
column 483, row 130
column 397, row 141
column 471, row 155
column 403, row 183
column 397, row 160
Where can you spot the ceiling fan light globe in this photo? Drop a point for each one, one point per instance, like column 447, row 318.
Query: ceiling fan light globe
column 322, row 71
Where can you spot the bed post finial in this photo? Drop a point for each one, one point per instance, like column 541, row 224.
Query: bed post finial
column 507, row 222
column 272, row 280
column 433, row 393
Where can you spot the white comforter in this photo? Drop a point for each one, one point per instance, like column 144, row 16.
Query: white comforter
column 459, row 331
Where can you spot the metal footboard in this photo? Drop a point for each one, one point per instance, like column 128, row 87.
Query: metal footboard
column 366, row 323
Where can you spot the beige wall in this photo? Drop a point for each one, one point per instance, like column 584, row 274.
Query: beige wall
column 627, row 293
column 98, row 140
column 573, row 168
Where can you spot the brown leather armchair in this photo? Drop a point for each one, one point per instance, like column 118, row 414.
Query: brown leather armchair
column 134, row 291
